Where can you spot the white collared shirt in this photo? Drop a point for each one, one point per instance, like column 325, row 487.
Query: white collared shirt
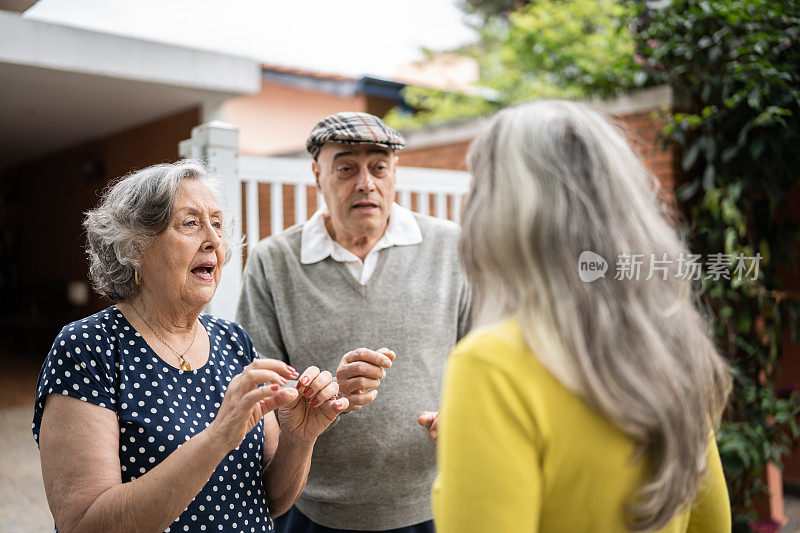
column 316, row 243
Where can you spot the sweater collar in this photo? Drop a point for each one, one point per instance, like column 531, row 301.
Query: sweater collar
column 316, row 243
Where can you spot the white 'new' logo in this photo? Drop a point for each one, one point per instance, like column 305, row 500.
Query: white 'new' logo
column 591, row 266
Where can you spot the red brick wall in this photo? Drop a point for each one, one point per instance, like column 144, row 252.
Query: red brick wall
column 640, row 128
column 642, row 131
column 445, row 156
column 789, row 378
column 42, row 203
column 265, row 219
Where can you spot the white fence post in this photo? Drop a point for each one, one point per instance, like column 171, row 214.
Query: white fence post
column 300, row 201
column 275, row 208
column 404, row 199
column 423, row 203
column 253, row 223
column 441, row 205
column 217, row 144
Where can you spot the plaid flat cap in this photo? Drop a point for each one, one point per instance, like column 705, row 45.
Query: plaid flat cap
column 349, row 127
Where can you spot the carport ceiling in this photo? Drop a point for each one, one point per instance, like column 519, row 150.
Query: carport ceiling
column 44, row 110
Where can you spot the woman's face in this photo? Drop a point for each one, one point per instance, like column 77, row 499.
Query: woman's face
column 183, row 264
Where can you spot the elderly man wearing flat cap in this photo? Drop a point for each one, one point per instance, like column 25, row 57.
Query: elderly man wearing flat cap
column 375, row 293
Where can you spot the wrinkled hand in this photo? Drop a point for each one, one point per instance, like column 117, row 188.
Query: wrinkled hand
column 246, row 401
column 315, row 406
column 430, row 421
column 360, row 373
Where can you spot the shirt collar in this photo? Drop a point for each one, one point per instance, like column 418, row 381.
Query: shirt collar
column 316, row 243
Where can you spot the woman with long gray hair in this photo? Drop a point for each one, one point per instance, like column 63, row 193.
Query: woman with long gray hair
column 589, row 398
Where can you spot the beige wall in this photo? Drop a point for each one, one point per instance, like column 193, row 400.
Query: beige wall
column 278, row 119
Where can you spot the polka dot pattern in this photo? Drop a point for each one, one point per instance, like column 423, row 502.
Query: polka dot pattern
column 103, row 360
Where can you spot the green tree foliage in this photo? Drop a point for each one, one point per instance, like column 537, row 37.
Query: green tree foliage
column 487, row 9
column 740, row 62
column 544, row 49
column 436, row 107
column 560, row 48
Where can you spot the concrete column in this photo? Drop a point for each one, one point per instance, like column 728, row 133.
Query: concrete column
column 217, row 144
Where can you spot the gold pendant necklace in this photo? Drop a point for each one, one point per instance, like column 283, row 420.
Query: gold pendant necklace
column 184, row 364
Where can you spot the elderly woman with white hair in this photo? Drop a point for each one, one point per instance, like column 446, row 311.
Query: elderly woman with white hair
column 151, row 416
column 597, row 399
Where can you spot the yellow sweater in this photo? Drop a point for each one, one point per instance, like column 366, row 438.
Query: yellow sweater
column 518, row 452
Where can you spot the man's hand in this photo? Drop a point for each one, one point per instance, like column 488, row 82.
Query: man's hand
column 360, row 373
column 430, row 421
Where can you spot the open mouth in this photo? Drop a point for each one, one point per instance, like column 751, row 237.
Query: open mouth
column 204, row 271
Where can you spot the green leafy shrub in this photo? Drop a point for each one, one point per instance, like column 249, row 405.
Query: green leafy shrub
column 739, row 60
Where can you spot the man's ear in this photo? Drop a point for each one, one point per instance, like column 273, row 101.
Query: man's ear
column 315, row 170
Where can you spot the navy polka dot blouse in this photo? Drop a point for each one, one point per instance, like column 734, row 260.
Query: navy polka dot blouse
column 103, row 360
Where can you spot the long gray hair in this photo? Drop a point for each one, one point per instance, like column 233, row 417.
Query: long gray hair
column 552, row 180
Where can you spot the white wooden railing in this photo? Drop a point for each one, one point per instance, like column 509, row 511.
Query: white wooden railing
column 217, row 144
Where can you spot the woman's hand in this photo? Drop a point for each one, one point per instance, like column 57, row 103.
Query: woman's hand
column 315, row 407
column 246, row 401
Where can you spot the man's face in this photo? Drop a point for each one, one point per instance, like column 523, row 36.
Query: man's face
column 357, row 182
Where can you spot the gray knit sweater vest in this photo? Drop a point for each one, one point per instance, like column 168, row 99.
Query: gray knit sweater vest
column 374, row 468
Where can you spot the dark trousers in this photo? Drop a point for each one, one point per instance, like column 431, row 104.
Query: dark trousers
column 296, row 522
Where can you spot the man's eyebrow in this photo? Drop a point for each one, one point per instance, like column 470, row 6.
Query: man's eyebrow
column 342, row 154
column 382, row 151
